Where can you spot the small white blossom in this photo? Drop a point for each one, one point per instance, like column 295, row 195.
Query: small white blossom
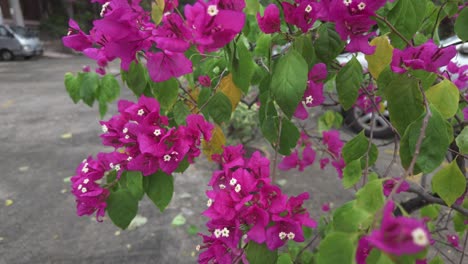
column 86, row 181
column 217, row 233
column 167, row 157
column 225, row 232
column 111, row 165
column 197, row 248
column 141, row 112
column 222, row 186
column 347, row 2
column 85, row 169
column 233, row 182
column 282, row 235
column 125, row 130
column 238, row 188
column 361, row 6
column 117, row 167
column 104, row 7
column 127, row 136
column 308, row 8
column 291, row 235
column 309, row 99
column 209, row 202
column 157, row 132
column 104, row 128
column 129, row 158
column 84, row 190
column 420, row 237
column 212, row 10
column 80, row 186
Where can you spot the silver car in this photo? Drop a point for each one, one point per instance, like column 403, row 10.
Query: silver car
column 18, row 41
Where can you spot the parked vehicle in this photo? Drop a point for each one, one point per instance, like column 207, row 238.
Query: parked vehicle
column 19, row 41
column 357, row 119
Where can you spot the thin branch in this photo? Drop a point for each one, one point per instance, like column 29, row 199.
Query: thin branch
column 437, row 19
column 427, row 198
column 305, row 247
column 394, row 30
column 275, row 160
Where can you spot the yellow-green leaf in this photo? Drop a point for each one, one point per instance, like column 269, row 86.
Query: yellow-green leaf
column 8, row 202
column 228, row 88
column 157, row 9
column 215, row 145
column 449, row 183
column 382, row 56
column 444, row 96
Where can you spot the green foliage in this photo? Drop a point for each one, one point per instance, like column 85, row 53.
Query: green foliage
column 329, row 44
column 348, row 81
column 259, row 254
column 357, row 148
column 431, row 211
column 242, row 67
column 330, row 119
column 219, row 106
column 370, row 197
column 337, row 247
column 449, row 183
column 122, row 207
column 288, row 138
column 160, row 188
column 166, row 92
column 461, row 25
column 181, row 111
column 462, row 141
column 284, row 258
column 352, row 173
column 289, row 80
column 444, row 96
column 136, row 78
column 350, row 218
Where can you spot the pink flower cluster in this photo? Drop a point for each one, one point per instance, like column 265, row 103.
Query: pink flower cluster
column 126, row 28
column 143, row 141
column 332, row 146
column 244, row 206
column 396, row 236
column 313, row 95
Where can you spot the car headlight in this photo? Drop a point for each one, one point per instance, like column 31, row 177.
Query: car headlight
column 27, row 48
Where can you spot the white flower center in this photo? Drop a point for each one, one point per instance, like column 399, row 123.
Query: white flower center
column 238, row 188
column 84, row 190
column 167, row 157
column 125, row 130
column 129, row 158
column 117, row 167
column 212, row 10
column 361, row 6
column 233, row 182
column 104, row 128
column 197, row 248
column 222, row 186
column 157, row 132
column 309, row 99
column 86, row 181
column 209, row 202
column 80, row 186
column 225, row 232
column 104, row 7
column 111, row 165
column 291, row 235
column 347, row 2
column 85, row 169
column 69, row 32
column 127, row 136
column 308, row 8
column 420, row 237
column 217, row 233
column 282, row 235
column 141, row 112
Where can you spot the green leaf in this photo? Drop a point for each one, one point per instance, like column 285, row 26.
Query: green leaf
column 462, row 141
column 157, row 11
column 263, row 45
column 288, row 138
column 303, row 45
column 160, row 188
column 192, row 230
column 449, row 183
column 370, row 197
column 289, row 81
column 88, row 86
column 181, row 111
column 166, row 92
column 329, row 44
column 219, row 108
column 444, row 96
column 431, row 211
column 260, row 254
column 381, row 58
column 357, row 148
column 434, row 145
column 352, row 173
column 461, row 25
column 252, row 7
column 404, row 100
column 102, row 108
column 135, row 183
column 242, row 67
column 330, row 119
column 121, row 207
column 459, row 222
column 336, row 248
column 269, row 121
column 109, row 88
column 136, row 78
column 436, row 260
column 284, row 258
column 348, row 81
column 179, row 220
column 351, row 219
column 72, row 86
column 406, row 17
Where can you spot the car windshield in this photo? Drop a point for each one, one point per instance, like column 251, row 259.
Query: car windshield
column 23, row 32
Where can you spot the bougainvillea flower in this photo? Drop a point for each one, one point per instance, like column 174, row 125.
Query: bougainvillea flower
column 363, row 250
column 302, row 14
column 164, row 65
column 427, row 57
column 204, row 80
column 313, row 95
column 399, row 235
column 454, row 240
column 457, row 74
column 76, row 39
column 270, row 22
column 172, row 35
column 332, row 140
column 388, row 186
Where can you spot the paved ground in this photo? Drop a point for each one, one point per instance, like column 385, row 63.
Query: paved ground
column 41, row 226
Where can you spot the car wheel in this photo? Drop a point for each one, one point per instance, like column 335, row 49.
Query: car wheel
column 6, row 55
column 359, row 120
column 27, row 57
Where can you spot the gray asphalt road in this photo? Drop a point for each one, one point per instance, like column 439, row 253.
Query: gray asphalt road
column 37, row 119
